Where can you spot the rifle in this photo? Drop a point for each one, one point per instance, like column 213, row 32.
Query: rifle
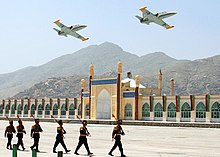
column 122, row 132
column 82, row 123
column 18, row 117
column 33, row 116
column 57, row 122
column 7, row 118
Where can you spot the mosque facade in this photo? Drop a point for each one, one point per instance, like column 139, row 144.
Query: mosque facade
column 127, row 99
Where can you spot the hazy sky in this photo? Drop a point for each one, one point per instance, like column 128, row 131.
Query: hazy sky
column 27, row 37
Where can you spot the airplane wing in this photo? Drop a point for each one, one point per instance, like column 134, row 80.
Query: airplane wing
column 59, row 24
column 74, row 34
column 165, row 15
column 162, row 23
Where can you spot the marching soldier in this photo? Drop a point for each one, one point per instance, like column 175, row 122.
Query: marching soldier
column 82, row 138
column 59, row 137
column 9, row 130
column 116, row 135
column 35, row 133
column 20, row 132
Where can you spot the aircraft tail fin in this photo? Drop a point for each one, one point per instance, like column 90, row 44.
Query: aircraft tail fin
column 143, row 9
column 57, row 22
column 84, row 39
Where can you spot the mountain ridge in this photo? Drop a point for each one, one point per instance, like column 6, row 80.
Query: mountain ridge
column 105, row 58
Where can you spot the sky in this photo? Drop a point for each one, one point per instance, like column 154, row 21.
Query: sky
column 28, row 39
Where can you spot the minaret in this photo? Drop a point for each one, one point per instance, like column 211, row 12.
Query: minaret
column 83, row 84
column 171, row 87
column 160, row 78
column 137, row 81
column 118, row 108
column 91, row 76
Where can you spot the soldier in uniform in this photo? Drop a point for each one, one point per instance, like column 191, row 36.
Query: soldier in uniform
column 116, row 135
column 82, row 138
column 9, row 130
column 20, row 132
column 35, row 133
column 59, row 137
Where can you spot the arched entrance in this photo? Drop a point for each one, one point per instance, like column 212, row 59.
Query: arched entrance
column 103, row 105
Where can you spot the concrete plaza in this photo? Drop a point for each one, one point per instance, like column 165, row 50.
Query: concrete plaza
column 139, row 141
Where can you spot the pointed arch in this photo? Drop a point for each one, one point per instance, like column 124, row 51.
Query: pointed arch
column 12, row 110
column 39, row 110
column 25, row 110
column 200, row 112
column 47, row 110
column 128, row 111
column 186, row 110
column 158, row 112
column 55, row 110
column 103, row 110
column 145, row 111
column 19, row 109
column 33, row 109
column 1, row 109
column 71, row 110
column 171, row 110
column 215, row 112
column 63, row 110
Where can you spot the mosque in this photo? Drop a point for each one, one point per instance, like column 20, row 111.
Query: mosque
column 126, row 98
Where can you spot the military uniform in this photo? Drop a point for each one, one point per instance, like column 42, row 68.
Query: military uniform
column 9, row 130
column 59, row 138
column 116, row 134
column 83, row 140
column 35, row 133
column 20, row 132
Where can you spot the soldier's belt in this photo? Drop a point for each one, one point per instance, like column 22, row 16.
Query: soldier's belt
column 82, row 135
column 118, row 134
column 20, row 132
column 36, row 132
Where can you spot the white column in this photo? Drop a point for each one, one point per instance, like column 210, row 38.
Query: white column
column 178, row 115
column 59, row 113
column 165, row 116
column 151, row 116
column 208, row 117
column 193, row 117
column 67, row 114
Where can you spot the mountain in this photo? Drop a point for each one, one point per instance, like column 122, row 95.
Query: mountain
column 191, row 77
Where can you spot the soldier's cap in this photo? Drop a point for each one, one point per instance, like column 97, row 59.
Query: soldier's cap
column 19, row 121
column 60, row 122
column 119, row 121
column 10, row 121
column 37, row 120
column 84, row 121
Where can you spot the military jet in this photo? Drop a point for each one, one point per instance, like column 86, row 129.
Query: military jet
column 70, row 30
column 149, row 17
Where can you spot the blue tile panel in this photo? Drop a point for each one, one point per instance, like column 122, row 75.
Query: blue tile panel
column 103, row 82
column 85, row 95
column 128, row 94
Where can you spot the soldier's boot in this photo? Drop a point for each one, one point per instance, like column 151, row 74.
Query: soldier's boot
column 37, row 150
column 67, row 150
column 7, row 146
column 54, row 150
column 22, row 145
column 110, row 153
column 10, row 147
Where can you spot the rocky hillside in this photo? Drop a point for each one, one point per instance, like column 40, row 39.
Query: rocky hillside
column 191, row 77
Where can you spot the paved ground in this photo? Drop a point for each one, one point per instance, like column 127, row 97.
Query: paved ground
column 139, row 141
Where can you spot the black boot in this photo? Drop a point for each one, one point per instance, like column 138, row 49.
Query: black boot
column 67, row 151
column 110, row 153
column 76, row 153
